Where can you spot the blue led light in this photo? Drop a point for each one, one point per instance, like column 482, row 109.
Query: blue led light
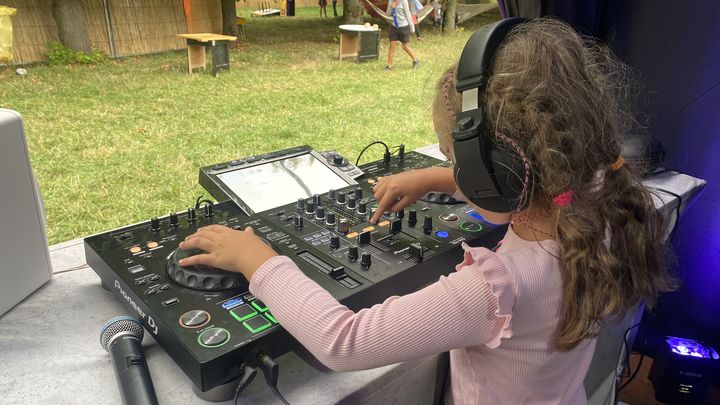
column 692, row 348
column 442, row 234
column 232, row 303
column 475, row 215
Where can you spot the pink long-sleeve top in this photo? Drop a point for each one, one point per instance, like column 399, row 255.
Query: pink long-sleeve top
column 496, row 315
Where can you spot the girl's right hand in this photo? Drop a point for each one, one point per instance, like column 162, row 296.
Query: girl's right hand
column 393, row 193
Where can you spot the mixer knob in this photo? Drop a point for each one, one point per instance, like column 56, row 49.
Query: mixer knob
column 191, row 215
column 364, row 238
column 412, row 217
column 396, row 225
column 174, row 220
column 338, row 160
column 358, row 193
column 310, row 207
column 365, row 260
column 400, row 214
column 353, row 253
column 317, row 200
column 351, row 202
column 341, row 197
column 300, row 205
column 320, row 213
column 427, row 224
column 208, row 210
column 334, row 242
column 330, row 218
column 154, row 224
column 331, row 194
column 343, row 226
column 362, row 207
column 298, row 222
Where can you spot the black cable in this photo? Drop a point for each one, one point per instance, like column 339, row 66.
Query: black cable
column 246, row 378
column 628, row 349
column 637, row 370
column 199, row 200
column 271, row 370
column 387, row 150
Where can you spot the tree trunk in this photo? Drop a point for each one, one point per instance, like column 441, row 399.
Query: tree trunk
column 72, row 29
column 229, row 13
column 449, row 16
column 353, row 11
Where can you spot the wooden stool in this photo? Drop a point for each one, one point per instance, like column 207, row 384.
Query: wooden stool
column 218, row 44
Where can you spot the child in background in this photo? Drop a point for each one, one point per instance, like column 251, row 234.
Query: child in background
column 520, row 322
column 323, row 7
column 437, row 13
column 415, row 6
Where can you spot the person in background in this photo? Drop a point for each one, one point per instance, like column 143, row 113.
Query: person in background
column 584, row 242
column 334, row 4
column 437, row 13
column 400, row 30
column 323, row 7
column 415, row 6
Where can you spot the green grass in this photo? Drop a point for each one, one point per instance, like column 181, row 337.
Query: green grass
column 121, row 142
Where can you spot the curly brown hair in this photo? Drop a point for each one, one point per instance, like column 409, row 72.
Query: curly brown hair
column 564, row 100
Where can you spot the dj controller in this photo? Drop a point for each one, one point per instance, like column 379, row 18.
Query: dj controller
column 208, row 321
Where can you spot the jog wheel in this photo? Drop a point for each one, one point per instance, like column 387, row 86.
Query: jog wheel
column 203, row 278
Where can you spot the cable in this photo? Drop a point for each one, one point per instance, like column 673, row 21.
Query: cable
column 637, row 370
column 199, row 200
column 271, row 370
column 246, row 378
column 387, row 151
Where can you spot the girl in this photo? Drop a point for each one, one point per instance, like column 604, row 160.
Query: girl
column 520, row 321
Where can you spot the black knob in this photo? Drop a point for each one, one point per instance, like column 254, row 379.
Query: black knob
column 317, row 200
column 330, row 218
column 353, row 253
column 341, row 197
column 191, row 215
column 343, row 226
column 310, row 207
column 427, row 224
column 331, row 194
column 365, row 260
column 300, row 205
column 337, row 160
column 174, row 220
column 208, row 210
column 320, row 213
column 362, row 207
column 400, row 214
column 299, row 222
column 351, row 202
column 412, row 217
column 154, row 224
column 358, row 193
column 334, row 242
column 396, row 225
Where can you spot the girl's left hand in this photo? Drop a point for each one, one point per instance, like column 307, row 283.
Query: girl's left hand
column 227, row 249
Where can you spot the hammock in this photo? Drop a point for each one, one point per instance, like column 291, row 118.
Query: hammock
column 421, row 14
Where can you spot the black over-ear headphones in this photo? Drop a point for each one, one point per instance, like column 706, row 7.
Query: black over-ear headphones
column 488, row 176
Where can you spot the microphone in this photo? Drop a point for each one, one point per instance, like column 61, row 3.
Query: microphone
column 122, row 338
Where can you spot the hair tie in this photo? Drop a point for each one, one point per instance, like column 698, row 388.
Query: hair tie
column 620, row 162
column 563, row 199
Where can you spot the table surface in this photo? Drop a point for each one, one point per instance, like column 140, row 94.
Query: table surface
column 50, row 350
column 358, row 27
column 207, row 37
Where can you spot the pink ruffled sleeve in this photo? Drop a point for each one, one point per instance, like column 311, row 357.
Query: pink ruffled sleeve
column 470, row 307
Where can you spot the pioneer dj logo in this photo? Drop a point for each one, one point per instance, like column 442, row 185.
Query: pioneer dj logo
column 148, row 319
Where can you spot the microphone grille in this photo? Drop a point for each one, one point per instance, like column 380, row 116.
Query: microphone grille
column 117, row 325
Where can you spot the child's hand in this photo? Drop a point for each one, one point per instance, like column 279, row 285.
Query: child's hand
column 227, row 249
column 396, row 192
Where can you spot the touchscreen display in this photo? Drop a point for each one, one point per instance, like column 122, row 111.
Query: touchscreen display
column 281, row 182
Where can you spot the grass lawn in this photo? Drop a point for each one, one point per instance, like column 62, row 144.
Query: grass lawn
column 121, row 142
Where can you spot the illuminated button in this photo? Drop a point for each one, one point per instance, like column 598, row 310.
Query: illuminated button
column 135, row 249
column 257, row 324
column 476, row 215
column 442, row 234
column 152, row 245
column 383, row 223
column 259, row 305
column 369, row 229
column 471, row 226
column 194, row 319
column 243, row 312
column 269, row 316
column 352, row 235
column 449, row 217
column 371, row 181
column 214, row 337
